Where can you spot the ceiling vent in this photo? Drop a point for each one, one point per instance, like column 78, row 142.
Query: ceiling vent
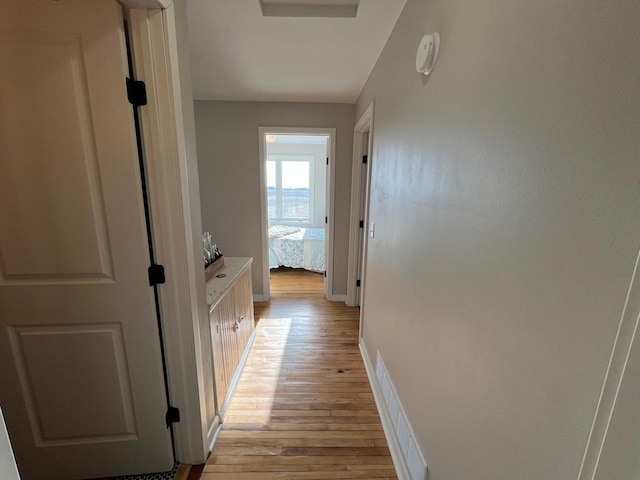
column 310, row 8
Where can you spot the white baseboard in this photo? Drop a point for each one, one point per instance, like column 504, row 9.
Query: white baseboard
column 214, row 431
column 331, row 298
column 337, row 298
column 389, row 431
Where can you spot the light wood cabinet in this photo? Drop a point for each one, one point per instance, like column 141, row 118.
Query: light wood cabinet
column 231, row 325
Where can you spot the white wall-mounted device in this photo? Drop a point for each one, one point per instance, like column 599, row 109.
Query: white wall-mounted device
column 427, row 53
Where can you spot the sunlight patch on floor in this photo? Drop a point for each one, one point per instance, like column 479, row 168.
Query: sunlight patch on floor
column 268, row 382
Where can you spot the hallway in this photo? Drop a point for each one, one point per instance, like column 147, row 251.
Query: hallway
column 303, row 408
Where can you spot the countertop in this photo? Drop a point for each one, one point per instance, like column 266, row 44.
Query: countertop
column 222, row 280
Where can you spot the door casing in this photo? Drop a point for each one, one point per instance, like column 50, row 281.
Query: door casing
column 362, row 142
column 329, row 206
column 161, row 59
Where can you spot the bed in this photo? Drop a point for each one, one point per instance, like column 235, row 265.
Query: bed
column 296, row 247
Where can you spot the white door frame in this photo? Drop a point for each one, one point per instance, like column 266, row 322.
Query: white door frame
column 175, row 218
column 362, row 127
column 329, row 203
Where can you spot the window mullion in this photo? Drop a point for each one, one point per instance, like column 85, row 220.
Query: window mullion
column 279, row 206
column 312, row 192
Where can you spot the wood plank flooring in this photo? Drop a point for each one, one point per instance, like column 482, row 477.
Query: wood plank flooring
column 303, row 408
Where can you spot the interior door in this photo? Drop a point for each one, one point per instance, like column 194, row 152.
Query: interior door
column 81, row 379
column 364, row 192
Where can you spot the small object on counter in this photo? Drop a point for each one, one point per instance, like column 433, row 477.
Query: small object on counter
column 213, row 259
column 211, row 251
column 207, row 248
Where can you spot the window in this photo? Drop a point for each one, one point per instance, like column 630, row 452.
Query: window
column 289, row 188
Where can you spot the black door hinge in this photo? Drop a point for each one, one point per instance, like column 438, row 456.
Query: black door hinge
column 361, row 223
column 156, row 275
column 365, row 158
column 172, row 416
column 326, row 219
column 357, row 283
column 136, row 92
column 327, row 160
column 325, row 274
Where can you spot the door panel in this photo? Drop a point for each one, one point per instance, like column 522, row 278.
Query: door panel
column 80, row 361
column 217, row 345
column 226, row 310
column 244, row 307
column 101, row 413
column 207, row 343
column 53, row 184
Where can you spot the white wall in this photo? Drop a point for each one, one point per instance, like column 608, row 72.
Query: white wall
column 506, row 199
column 228, row 159
column 319, row 177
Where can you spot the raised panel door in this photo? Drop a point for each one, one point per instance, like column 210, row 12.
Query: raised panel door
column 80, row 360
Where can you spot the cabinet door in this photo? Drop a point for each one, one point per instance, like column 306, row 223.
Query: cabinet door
column 243, row 296
column 228, row 337
column 221, row 382
column 231, row 324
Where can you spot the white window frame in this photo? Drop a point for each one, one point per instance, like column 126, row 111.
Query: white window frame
column 280, row 219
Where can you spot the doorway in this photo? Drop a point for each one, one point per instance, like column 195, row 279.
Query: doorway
column 297, row 203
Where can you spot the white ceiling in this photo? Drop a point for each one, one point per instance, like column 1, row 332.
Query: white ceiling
column 237, row 54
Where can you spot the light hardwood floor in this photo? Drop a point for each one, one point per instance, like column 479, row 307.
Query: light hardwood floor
column 303, row 408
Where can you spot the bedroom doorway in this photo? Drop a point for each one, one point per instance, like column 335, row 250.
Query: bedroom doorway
column 297, row 203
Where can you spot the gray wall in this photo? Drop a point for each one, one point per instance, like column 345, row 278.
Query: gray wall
column 229, row 166
column 506, row 199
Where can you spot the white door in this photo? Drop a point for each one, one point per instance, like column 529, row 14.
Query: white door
column 613, row 448
column 364, row 195
column 81, row 380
